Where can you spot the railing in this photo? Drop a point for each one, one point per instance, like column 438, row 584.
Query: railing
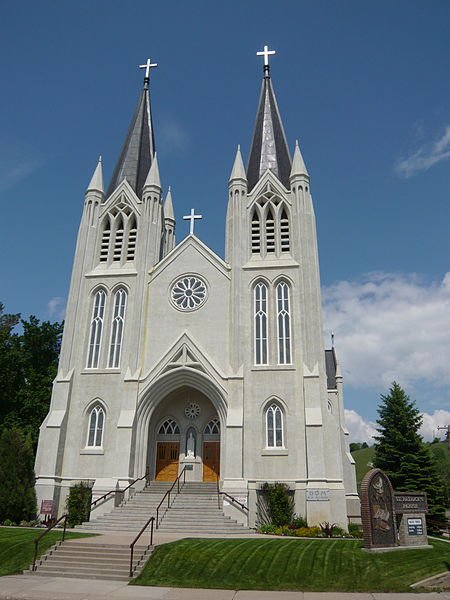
column 167, row 494
column 114, row 491
column 219, row 493
column 152, row 521
column 38, row 539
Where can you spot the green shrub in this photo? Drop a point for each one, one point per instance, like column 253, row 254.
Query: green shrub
column 355, row 530
column 308, row 532
column 9, row 523
column 298, row 522
column 78, row 503
column 279, row 502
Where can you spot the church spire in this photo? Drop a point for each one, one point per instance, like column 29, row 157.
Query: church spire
column 96, row 183
column 139, row 147
column 238, row 170
column 298, row 164
column 269, row 149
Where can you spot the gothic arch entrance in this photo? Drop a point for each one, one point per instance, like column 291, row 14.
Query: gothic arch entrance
column 184, row 431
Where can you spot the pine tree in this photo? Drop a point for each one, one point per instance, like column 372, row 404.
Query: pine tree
column 401, row 453
column 17, row 495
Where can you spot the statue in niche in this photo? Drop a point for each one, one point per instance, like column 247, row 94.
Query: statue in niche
column 190, row 445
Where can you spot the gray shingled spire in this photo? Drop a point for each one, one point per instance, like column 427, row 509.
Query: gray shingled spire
column 96, row 182
column 269, row 148
column 139, row 147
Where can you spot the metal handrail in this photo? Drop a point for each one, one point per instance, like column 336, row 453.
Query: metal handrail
column 152, row 521
column 234, row 500
column 120, row 491
column 39, row 537
column 177, row 480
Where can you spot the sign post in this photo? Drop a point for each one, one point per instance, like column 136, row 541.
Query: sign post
column 412, row 506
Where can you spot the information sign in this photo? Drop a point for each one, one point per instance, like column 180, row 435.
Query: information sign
column 415, row 526
column 317, row 495
column 410, row 502
column 47, row 507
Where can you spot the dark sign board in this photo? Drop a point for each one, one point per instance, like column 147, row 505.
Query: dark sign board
column 415, row 526
column 47, row 507
column 377, row 510
column 410, row 502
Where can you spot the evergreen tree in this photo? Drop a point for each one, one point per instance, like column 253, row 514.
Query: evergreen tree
column 17, row 495
column 401, row 453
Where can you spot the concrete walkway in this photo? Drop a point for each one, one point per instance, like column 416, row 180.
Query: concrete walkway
column 27, row 587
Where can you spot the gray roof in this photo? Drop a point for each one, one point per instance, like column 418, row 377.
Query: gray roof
column 330, row 365
column 138, row 150
column 269, row 148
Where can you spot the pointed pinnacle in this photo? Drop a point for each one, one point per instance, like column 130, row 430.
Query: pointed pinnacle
column 153, row 178
column 238, row 170
column 298, row 164
column 168, row 206
column 96, row 182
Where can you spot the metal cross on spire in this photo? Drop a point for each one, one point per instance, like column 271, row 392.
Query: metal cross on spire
column 192, row 218
column 148, row 65
column 266, row 53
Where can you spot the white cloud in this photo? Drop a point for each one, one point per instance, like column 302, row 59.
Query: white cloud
column 389, row 328
column 12, row 173
column 425, row 157
column 361, row 430
column 56, row 308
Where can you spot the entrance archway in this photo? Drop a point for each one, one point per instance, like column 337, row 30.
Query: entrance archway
column 184, row 431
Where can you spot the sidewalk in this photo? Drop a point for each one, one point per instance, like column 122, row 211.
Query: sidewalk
column 28, row 587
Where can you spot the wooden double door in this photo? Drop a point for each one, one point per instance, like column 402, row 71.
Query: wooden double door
column 211, row 461
column 167, row 457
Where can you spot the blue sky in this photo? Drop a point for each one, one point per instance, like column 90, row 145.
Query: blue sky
column 362, row 85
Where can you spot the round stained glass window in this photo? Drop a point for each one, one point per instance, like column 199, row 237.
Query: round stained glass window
column 188, row 293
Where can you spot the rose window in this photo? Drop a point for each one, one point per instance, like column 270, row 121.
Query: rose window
column 192, row 410
column 188, row 293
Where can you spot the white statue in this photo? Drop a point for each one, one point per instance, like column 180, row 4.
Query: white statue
column 190, row 446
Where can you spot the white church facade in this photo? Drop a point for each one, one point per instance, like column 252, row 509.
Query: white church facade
column 173, row 357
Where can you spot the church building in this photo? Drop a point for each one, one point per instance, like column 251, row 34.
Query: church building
column 174, row 357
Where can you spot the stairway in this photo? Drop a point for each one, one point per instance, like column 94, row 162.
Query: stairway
column 194, row 510
column 90, row 560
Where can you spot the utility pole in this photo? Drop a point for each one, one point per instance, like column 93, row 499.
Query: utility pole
column 447, row 427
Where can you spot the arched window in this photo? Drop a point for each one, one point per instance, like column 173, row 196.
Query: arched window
column 270, row 232
column 283, row 324
column 96, row 427
column 260, row 316
column 274, row 427
column 120, row 301
column 256, row 233
column 284, row 232
column 106, row 236
column 213, row 427
column 118, row 240
column 95, row 336
column 132, row 234
column 169, row 427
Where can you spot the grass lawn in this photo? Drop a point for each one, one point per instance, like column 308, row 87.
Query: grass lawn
column 17, row 547
column 290, row 564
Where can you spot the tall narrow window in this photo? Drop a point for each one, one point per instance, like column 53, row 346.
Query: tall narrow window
column 95, row 336
column 284, row 232
column 132, row 233
column 96, row 424
column 256, row 233
column 274, row 427
column 120, row 301
column 261, row 324
column 118, row 240
column 270, row 232
column 106, row 236
column 283, row 324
